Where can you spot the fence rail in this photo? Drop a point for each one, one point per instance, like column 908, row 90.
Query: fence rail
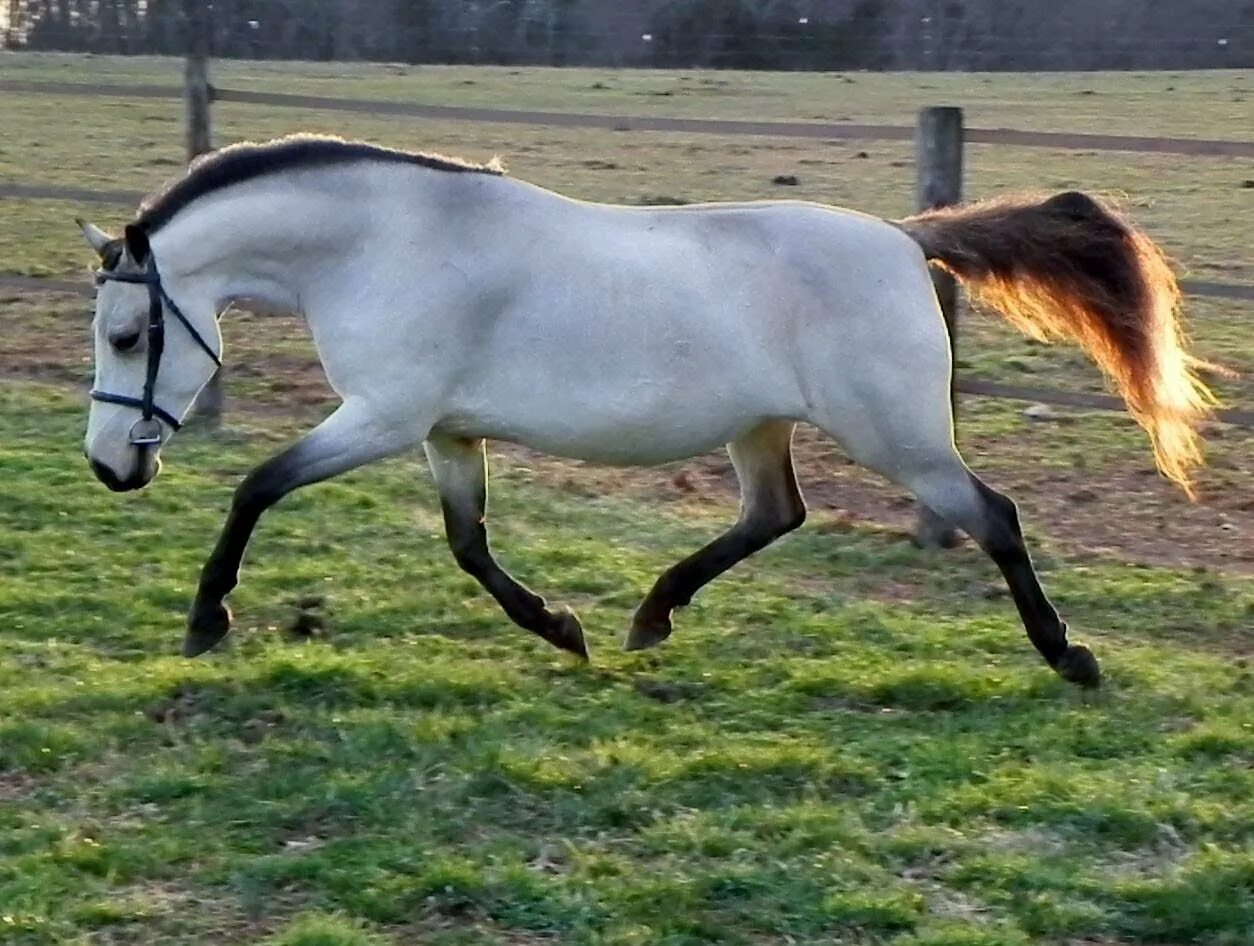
column 1195, row 147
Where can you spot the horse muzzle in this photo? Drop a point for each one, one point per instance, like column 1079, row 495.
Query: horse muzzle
column 140, row 477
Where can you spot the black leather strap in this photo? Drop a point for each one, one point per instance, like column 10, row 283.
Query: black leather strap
column 158, row 301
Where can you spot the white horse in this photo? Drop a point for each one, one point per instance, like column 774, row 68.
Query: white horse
column 450, row 303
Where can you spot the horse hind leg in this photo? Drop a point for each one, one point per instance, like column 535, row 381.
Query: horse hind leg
column 460, row 470
column 906, row 434
column 771, row 506
column 961, row 497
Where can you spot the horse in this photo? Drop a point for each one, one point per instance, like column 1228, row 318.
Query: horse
column 451, row 304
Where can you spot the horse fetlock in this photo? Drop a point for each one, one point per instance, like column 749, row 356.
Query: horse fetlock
column 207, row 624
column 1078, row 665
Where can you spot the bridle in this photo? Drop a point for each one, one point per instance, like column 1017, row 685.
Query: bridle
column 147, row 431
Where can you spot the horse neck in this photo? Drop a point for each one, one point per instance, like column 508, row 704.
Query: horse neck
column 256, row 243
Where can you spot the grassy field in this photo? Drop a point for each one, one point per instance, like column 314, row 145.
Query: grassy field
column 847, row 741
column 1198, row 207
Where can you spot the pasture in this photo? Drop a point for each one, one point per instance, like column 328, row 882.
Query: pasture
column 847, row 740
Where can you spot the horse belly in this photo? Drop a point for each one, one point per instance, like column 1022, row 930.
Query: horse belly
column 633, row 430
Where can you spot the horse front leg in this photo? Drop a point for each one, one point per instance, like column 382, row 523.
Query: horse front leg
column 460, row 470
column 351, row 437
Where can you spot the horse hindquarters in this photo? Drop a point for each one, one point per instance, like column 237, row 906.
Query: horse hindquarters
column 888, row 405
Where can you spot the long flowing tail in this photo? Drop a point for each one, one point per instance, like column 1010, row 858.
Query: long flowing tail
column 1071, row 267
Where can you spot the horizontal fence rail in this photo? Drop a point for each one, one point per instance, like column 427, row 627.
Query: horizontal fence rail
column 979, row 387
column 75, row 195
column 1197, row 147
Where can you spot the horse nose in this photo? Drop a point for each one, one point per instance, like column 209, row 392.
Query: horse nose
column 106, row 475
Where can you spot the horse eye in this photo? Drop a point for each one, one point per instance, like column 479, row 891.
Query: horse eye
column 126, row 342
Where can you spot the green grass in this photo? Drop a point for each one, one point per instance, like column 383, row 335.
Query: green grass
column 808, row 758
column 1209, row 104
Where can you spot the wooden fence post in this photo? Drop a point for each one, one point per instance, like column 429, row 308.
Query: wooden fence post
column 197, row 95
column 938, row 142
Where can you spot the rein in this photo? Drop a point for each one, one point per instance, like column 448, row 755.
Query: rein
column 147, row 431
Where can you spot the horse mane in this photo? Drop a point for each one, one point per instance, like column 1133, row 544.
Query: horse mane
column 247, row 160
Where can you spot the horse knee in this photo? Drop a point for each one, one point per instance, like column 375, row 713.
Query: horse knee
column 792, row 520
column 768, row 523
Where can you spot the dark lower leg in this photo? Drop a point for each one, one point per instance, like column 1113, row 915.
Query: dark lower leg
column 771, row 506
column 468, row 538
column 677, row 585
column 260, row 490
column 461, row 476
column 210, row 619
column 345, row 440
column 1002, row 538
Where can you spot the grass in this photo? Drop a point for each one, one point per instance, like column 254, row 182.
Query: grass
column 1209, row 104
column 847, row 740
column 810, row 757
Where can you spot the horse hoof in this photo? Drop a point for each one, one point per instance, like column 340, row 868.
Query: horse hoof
column 206, row 626
column 567, row 633
column 1078, row 665
column 647, row 633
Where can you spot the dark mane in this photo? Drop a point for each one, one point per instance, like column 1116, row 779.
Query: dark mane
column 243, row 162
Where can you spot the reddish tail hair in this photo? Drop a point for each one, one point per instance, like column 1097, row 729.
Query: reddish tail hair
column 1071, row 267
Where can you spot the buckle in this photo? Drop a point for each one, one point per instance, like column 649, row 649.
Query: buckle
column 145, row 432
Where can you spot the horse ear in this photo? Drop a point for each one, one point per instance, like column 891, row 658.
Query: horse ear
column 97, row 239
column 137, row 243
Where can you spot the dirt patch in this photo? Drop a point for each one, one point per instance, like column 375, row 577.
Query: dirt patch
column 16, row 786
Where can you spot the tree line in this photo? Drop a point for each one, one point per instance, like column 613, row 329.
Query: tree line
column 745, row 34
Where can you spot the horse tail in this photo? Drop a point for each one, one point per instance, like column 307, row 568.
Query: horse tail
column 1071, row 267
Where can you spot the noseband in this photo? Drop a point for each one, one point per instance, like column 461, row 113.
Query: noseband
column 147, row 431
